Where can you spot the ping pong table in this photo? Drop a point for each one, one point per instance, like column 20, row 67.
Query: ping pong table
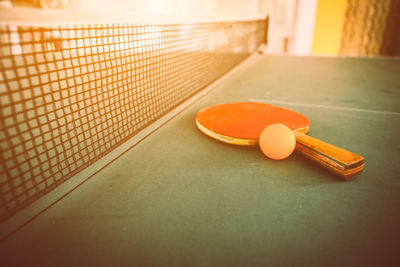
column 179, row 198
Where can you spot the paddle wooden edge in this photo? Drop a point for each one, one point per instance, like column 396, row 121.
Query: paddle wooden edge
column 342, row 162
column 226, row 139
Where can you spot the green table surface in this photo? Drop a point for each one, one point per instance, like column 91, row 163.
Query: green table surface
column 179, row 198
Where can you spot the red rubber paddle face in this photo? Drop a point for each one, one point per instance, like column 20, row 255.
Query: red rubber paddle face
column 246, row 120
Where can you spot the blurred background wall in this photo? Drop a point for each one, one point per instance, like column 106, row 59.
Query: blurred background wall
column 339, row 27
column 297, row 27
column 371, row 27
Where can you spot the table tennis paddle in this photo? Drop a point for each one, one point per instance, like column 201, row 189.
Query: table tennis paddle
column 241, row 123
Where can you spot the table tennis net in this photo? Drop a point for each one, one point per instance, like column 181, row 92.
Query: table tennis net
column 70, row 94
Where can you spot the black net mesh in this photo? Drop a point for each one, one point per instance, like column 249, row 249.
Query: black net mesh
column 71, row 94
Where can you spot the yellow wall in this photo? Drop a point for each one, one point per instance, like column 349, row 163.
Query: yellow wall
column 328, row 26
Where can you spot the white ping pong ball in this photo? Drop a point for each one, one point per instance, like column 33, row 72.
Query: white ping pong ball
column 277, row 141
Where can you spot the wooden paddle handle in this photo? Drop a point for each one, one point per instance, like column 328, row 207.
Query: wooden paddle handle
column 340, row 161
